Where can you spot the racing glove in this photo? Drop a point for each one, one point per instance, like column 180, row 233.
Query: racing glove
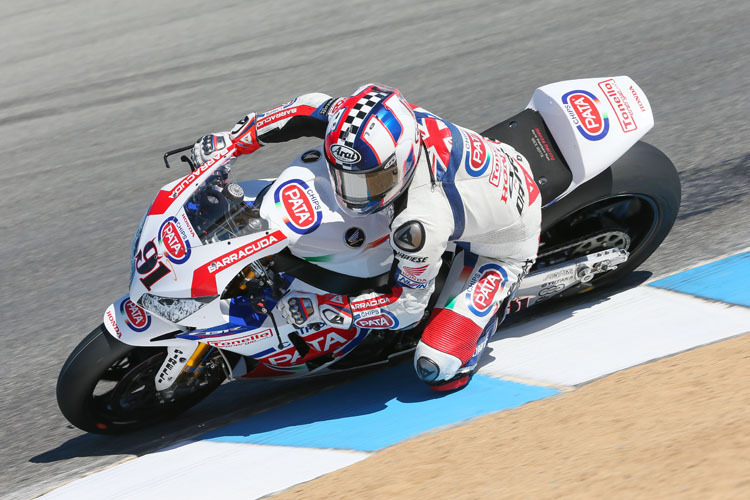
column 243, row 136
column 301, row 309
column 207, row 145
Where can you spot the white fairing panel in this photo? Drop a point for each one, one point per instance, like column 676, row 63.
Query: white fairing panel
column 133, row 325
column 593, row 120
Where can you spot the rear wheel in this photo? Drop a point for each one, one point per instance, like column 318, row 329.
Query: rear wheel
column 632, row 206
column 107, row 386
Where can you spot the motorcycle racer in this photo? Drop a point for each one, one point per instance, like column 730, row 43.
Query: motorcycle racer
column 439, row 184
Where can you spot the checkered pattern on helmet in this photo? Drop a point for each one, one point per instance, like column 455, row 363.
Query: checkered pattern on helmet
column 356, row 116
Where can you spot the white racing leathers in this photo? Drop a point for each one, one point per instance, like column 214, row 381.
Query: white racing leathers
column 467, row 190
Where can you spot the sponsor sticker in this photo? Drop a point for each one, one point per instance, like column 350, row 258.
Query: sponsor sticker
column 409, row 282
column 354, row 237
column 345, row 154
column 174, row 241
column 583, row 110
column 384, row 320
column 477, row 160
column 242, row 253
column 113, row 323
column 619, row 105
column 136, row 318
column 301, row 204
column 375, row 302
column 240, row 341
column 487, row 282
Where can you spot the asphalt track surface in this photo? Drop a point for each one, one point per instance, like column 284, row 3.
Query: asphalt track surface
column 93, row 92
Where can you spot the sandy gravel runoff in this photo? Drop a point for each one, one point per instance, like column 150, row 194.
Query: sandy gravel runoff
column 674, row 428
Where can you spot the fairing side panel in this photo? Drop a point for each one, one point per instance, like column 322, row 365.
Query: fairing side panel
column 134, row 326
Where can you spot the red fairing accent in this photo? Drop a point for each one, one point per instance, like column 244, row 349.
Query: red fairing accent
column 165, row 198
column 450, row 386
column 204, row 277
column 451, row 333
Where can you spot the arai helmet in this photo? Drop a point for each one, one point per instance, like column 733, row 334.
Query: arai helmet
column 372, row 148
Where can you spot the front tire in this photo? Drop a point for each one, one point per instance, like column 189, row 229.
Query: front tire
column 107, row 387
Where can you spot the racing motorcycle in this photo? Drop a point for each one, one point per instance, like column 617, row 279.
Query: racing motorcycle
column 210, row 259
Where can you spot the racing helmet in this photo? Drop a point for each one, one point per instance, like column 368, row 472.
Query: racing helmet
column 372, row 148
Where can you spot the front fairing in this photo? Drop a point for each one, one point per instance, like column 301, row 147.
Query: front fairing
column 185, row 256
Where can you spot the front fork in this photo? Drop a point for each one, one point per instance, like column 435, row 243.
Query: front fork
column 179, row 367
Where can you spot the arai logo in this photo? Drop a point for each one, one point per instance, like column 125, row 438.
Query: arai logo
column 480, row 296
column 301, row 204
column 136, row 318
column 176, row 247
column 345, row 154
column 383, row 320
column 583, row 110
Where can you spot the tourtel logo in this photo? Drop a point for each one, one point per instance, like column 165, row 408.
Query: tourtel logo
column 345, row 154
column 135, row 318
column 583, row 109
column 176, row 247
column 301, row 204
column 480, row 296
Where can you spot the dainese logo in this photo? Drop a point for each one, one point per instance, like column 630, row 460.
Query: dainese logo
column 481, row 296
column 301, row 206
column 176, row 247
column 583, row 109
column 136, row 318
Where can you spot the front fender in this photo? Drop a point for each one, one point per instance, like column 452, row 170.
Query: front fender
column 132, row 325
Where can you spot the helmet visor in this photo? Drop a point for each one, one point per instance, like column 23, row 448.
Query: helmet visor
column 357, row 189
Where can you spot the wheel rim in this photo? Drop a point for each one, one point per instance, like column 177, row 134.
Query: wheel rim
column 625, row 221
column 126, row 392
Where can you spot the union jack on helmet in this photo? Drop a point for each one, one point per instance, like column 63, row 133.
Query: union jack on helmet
column 372, row 148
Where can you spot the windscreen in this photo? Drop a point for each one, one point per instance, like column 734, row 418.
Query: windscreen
column 219, row 210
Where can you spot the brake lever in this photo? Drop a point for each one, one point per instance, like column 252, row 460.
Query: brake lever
column 183, row 158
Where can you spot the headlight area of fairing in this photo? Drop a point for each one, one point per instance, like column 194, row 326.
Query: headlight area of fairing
column 173, row 309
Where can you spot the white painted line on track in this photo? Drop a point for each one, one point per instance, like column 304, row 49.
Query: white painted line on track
column 582, row 343
column 205, row 469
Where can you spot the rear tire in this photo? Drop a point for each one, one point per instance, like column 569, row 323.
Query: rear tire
column 107, row 387
column 639, row 194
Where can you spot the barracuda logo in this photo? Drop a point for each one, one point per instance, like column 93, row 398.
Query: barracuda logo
column 242, row 253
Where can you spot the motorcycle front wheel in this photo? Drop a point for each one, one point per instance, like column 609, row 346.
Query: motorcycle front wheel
column 107, row 387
